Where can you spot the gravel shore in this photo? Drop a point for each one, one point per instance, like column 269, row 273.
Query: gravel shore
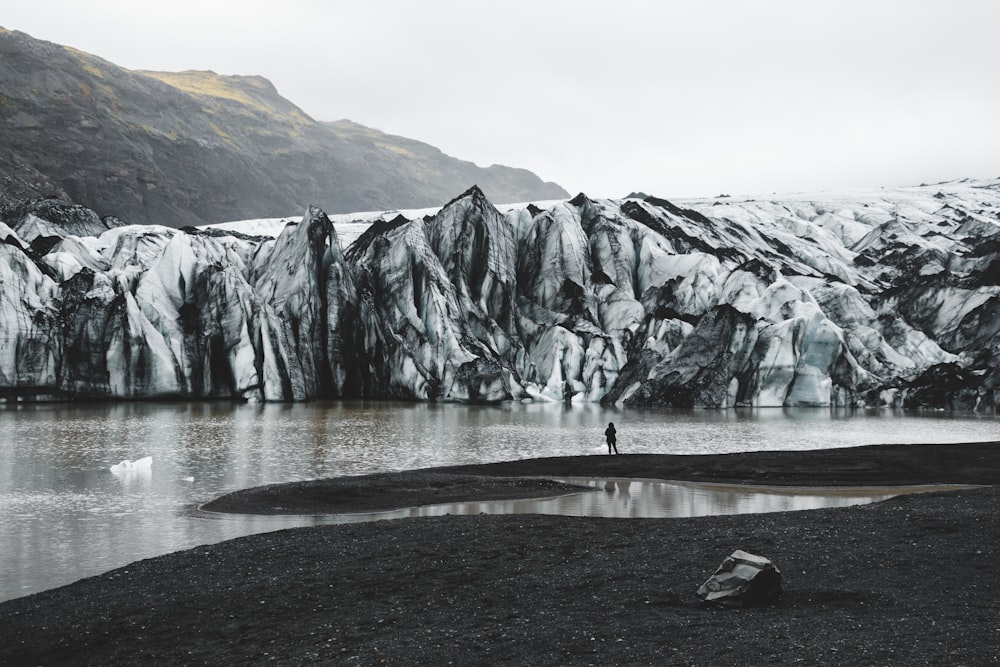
column 908, row 581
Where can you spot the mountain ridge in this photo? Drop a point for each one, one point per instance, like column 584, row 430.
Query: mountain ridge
column 196, row 147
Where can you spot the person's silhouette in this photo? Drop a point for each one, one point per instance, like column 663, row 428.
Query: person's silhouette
column 611, row 435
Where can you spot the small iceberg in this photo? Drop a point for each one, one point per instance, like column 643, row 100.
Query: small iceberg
column 126, row 467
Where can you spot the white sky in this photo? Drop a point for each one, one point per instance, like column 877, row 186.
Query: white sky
column 674, row 98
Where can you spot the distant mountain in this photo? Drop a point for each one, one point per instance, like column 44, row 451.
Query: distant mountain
column 195, row 147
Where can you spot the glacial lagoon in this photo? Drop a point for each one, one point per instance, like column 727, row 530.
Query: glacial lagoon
column 64, row 515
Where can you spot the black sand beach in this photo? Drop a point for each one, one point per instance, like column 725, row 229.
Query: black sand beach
column 908, row 581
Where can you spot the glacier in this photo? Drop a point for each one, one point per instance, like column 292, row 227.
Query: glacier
column 863, row 298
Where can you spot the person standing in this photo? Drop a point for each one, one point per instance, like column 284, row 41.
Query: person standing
column 611, row 435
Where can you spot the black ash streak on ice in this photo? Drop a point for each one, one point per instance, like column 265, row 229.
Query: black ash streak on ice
column 866, row 298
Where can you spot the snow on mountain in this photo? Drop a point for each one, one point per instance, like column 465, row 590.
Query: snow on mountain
column 349, row 226
column 876, row 297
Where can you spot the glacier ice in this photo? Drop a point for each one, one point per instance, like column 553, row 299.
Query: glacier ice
column 859, row 298
column 141, row 466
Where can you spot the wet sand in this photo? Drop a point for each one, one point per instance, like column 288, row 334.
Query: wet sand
column 908, row 581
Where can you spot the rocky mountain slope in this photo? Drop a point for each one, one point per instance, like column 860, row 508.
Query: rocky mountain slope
column 195, row 147
column 889, row 297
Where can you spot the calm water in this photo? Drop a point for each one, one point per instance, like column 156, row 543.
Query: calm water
column 64, row 515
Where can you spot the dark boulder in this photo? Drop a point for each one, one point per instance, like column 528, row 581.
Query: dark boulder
column 743, row 580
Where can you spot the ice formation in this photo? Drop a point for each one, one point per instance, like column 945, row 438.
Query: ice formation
column 864, row 298
column 126, row 467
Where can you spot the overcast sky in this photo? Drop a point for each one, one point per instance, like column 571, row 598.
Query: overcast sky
column 672, row 98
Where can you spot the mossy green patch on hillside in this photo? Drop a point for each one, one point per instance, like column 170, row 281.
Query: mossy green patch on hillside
column 222, row 135
column 87, row 61
column 196, row 82
column 398, row 150
column 346, row 129
column 249, row 101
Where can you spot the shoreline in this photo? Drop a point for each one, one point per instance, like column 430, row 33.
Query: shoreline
column 871, row 465
column 906, row 581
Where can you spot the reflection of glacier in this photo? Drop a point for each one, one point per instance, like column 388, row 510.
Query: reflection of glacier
column 649, row 499
column 874, row 298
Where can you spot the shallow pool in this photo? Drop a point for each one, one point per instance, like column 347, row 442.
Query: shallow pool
column 623, row 498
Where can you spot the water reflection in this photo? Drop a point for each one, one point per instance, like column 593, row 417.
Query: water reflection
column 64, row 515
column 635, row 499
